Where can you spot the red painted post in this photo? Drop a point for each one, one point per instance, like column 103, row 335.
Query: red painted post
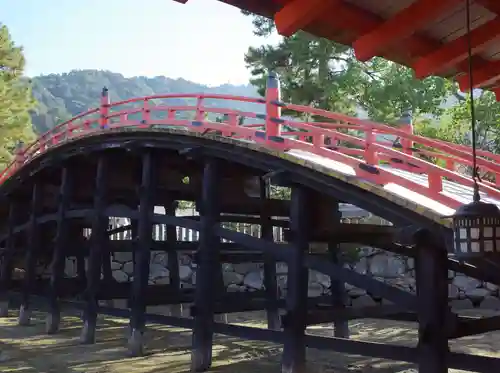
column 273, row 111
column 200, row 113
column 318, row 140
column 19, row 155
column 371, row 156
column 104, row 109
column 406, row 124
column 231, row 120
column 146, row 114
column 435, row 182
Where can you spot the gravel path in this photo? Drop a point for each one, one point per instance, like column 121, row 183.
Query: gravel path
column 28, row 349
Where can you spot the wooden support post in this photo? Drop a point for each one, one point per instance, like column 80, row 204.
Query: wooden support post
column 80, row 266
column 60, row 245
column 107, row 272
column 173, row 259
column 134, row 226
column 6, row 265
column 77, row 231
column 432, row 307
column 208, row 263
column 294, row 351
column 32, row 250
column 98, row 241
column 220, row 290
column 270, row 280
column 142, row 256
column 339, row 295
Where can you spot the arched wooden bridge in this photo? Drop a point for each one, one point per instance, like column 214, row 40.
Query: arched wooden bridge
column 124, row 158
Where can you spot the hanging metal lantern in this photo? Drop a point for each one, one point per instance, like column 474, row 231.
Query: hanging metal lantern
column 476, row 226
column 476, row 230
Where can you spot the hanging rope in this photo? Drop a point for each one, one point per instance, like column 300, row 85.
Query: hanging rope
column 475, row 171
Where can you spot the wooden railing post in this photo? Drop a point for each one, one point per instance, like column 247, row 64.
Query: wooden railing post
column 273, row 110
column 19, row 155
column 371, row 156
column 406, row 125
column 104, row 109
column 146, row 114
column 200, row 113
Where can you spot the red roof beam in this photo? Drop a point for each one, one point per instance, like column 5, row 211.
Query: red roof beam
column 482, row 77
column 488, row 73
column 298, row 14
column 457, row 50
column 496, row 91
column 346, row 15
column 400, row 26
column 492, row 5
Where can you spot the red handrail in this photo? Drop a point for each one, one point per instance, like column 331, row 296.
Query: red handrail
column 340, row 138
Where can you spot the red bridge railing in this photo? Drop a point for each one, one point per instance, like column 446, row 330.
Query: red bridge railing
column 365, row 146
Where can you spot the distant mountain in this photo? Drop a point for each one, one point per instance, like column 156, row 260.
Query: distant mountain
column 62, row 96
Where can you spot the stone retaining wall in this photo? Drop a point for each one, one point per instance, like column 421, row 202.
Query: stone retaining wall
column 464, row 292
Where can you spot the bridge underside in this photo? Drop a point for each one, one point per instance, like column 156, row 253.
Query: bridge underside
column 60, row 204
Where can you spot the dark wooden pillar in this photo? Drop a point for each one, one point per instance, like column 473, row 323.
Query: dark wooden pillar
column 294, row 351
column 220, row 291
column 432, row 307
column 339, row 294
column 98, row 242
column 208, row 265
column 134, row 237
column 58, row 258
column 173, row 258
column 142, row 256
column 270, row 280
column 107, row 273
column 7, row 258
column 81, row 273
column 32, row 251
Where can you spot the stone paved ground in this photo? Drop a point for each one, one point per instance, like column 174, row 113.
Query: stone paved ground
column 28, row 350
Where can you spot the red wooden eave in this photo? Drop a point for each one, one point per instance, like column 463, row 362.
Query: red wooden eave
column 426, row 35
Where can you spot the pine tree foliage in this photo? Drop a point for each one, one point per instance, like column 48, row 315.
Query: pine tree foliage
column 15, row 98
column 318, row 72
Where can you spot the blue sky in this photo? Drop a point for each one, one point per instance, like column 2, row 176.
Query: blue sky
column 202, row 41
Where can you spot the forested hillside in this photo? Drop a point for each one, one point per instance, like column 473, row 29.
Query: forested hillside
column 62, row 96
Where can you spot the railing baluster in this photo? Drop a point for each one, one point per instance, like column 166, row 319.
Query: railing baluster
column 104, row 109
column 273, row 111
column 200, row 113
column 370, row 153
column 146, row 114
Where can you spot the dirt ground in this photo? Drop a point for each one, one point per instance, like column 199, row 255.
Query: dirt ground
column 28, row 349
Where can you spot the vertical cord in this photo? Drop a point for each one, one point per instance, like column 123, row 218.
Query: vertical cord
column 472, row 108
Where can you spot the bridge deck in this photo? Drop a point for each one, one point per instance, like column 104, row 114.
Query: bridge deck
column 453, row 190
column 123, row 159
column 424, row 175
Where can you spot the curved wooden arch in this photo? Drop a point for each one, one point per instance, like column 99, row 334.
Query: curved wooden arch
column 347, row 188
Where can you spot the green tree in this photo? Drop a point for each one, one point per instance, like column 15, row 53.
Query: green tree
column 318, row 72
column 15, row 98
column 487, row 116
column 312, row 71
column 456, row 122
column 389, row 89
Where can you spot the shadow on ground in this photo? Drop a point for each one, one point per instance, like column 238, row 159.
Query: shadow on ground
column 29, row 350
